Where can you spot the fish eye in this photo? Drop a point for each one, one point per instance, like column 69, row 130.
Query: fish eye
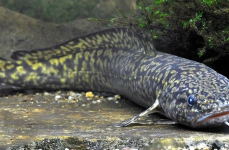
column 191, row 100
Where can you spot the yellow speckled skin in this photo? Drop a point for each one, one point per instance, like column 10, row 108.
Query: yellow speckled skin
column 110, row 38
column 118, row 61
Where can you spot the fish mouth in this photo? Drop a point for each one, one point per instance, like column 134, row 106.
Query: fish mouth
column 213, row 119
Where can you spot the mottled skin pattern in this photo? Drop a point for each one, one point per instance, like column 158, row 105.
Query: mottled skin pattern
column 115, row 61
column 111, row 38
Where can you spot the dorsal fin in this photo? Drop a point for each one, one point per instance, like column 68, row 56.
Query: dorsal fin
column 110, row 38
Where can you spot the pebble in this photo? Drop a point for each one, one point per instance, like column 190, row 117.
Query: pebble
column 202, row 146
column 117, row 96
column 71, row 98
column 94, row 102
column 89, row 94
column 46, row 93
column 78, row 94
column 57, row 97
column 110, row 98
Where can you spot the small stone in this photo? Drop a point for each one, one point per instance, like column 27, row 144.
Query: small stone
column 39, row 93
column 78, row 95
column 110, row 98
column 58, row 92
column 71, row 93
column 46, row 94
column 57, row 97
column 70, row 97
column 89, row 95
column 117, row 96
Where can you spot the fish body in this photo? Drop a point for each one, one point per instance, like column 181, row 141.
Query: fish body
column 121, row 62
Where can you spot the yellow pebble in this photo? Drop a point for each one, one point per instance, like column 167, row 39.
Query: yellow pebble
column 117, row 96
column 89, row 94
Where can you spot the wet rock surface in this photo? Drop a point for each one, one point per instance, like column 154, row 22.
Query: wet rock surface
column 70, row 120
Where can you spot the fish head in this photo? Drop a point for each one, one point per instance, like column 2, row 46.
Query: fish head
column 198, row 100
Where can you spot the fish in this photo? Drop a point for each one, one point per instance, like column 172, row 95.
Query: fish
column 125, row 62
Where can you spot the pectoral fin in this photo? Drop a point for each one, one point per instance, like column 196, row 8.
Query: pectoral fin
column 150, row 110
